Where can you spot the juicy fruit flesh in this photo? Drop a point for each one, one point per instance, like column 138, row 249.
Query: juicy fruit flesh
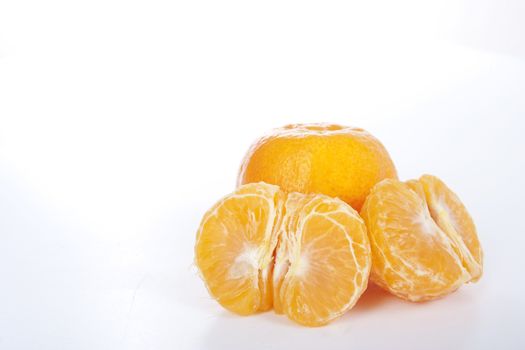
column 424, row 242
column 308, row 256
column 334, row 160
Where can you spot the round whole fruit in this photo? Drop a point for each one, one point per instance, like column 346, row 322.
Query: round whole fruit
column 334, row 160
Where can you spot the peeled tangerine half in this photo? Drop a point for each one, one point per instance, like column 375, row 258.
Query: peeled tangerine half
column 424, row 242
column 307, row 256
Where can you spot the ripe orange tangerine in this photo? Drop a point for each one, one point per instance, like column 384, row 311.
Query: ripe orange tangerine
column 424, row 242
column 308, row 256
column 330, row 159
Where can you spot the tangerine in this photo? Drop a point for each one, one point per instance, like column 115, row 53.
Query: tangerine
column 308, row 256
column 424, row 242
column 334, row 160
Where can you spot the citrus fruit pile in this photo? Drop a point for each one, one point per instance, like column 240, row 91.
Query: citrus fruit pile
column 317, row 211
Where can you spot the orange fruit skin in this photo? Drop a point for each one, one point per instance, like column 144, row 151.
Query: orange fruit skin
column 424, row 242
column 334, row 160
column 307, row 256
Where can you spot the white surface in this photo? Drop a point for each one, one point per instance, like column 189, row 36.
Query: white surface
column 122, row 122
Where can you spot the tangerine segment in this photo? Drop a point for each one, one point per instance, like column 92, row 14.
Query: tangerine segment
column 415, row 254
column 328, row 259
column 235, row 245
column 451, row 215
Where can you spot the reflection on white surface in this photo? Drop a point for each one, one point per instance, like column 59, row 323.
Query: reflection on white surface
column 122, row 123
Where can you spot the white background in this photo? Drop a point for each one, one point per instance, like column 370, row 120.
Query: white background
column 121, row 122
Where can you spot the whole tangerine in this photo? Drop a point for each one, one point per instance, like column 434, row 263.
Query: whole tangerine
column 330, row 159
